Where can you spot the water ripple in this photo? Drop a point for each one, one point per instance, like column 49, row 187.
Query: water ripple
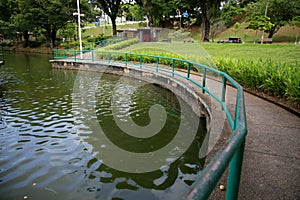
column 43, row 157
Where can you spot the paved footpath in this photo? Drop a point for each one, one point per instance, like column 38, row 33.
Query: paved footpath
column 271, row 168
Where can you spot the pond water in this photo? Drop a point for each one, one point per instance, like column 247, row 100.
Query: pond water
column 49, row 151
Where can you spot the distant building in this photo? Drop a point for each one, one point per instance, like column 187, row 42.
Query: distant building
column 144, row 34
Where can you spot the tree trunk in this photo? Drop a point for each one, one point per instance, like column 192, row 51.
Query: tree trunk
column 272, row 32
column 26, row 37
column 205, row 22
column 255, row 36
column 114, row 25
column 53, row 37
column 150, row 19
column 149, row 16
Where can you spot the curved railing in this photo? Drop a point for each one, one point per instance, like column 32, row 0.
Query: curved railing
column 231, row 153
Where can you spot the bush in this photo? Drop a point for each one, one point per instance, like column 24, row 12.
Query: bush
column 121, row 45
column 97, row 38
column 277, row 79
column 7, row 43
column 166, row 60
column 70, row 45
column 47, row 44
column 34, row 44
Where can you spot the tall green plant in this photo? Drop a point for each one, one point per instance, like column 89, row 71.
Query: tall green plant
column 277, row 79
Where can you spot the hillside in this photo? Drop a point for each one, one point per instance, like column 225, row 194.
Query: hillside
column 286, row 34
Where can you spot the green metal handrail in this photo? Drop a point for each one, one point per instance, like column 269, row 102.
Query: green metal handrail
column 231, row 153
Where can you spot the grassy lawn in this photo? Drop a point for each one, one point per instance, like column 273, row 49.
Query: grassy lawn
column 285, row 34
column 272, row 69
column 107, row 30
column 283, row 53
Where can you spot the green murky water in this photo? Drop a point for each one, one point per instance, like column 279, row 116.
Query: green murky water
column 50, row 149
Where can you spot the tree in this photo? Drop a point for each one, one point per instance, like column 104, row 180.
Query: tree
column 156, row 9
column 236, row 28
column 133, row 12
column 50, row 15
column 279, row 11
column 7, row 9
column 231, row 9
column 209, row 10
column 111, row 8
column 68, row 32
column 216, row 26
column 23, row 20
column 40, row 15
column 205, row 21
column 206, row 9
column 260, row 22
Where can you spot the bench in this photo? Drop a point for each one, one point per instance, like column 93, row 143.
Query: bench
column 166, row 40
column 266, row 41
column 189, row 40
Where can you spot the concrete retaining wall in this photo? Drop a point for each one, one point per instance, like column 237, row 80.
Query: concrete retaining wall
column 181, row 89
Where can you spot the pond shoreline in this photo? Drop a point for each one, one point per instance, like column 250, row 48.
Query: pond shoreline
column 20, row 49
column 283, row 103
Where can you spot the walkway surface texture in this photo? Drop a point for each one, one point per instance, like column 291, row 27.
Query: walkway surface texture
column 271, row 166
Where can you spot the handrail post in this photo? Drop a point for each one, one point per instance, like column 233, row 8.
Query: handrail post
column 204, row 80
column 234, row 174
column 173, row 66
column 93, row 56
column 126, row 58
column 108, row 57
column 74, row 54
column 157, row 58
column 237, row 108
column 189, row 70
column 56, row 54
column 223, row 89
column 141, row 61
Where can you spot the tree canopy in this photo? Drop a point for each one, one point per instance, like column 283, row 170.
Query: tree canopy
column 50, row 16
column 31, row 15
column 111, row 8
column 280, row 12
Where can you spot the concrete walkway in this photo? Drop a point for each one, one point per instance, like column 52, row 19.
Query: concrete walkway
column 271, row 168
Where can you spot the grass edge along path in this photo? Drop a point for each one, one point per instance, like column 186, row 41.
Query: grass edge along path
column 279, row 80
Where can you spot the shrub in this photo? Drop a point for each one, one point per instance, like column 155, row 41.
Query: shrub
column 97, row 38
column 121, row 45
column 69, row 45
column 47, row 44
column 34, row 44
column 277, row 79
column 7, row 43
